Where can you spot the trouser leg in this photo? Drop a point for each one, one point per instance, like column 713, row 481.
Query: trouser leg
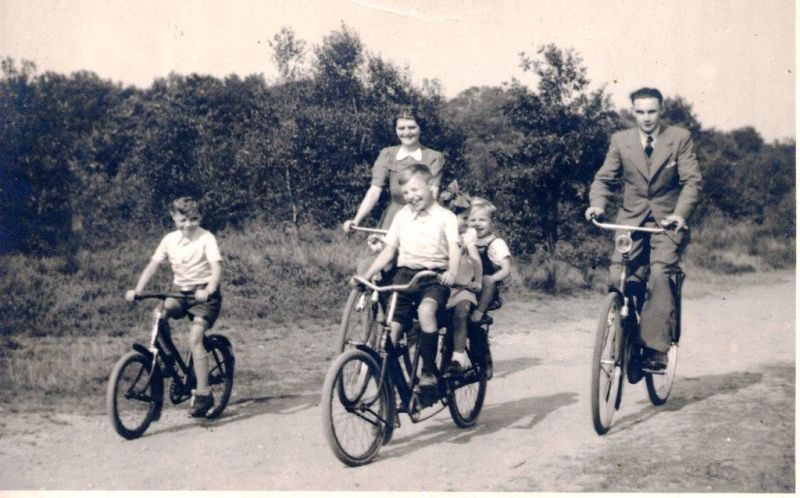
column 659, row 315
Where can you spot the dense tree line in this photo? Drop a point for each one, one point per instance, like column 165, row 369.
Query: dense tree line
column 85, row 160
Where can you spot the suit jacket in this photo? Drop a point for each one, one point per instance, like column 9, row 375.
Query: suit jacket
column 669, row 185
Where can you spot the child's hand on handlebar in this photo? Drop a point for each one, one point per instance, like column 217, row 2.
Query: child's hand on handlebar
column 130, row 296
column 347, row 224
column 201, row 295
column 447, row 278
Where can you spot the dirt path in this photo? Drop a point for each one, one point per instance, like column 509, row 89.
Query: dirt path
column 729, row 425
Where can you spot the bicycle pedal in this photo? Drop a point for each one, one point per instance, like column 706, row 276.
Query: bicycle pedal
column 651, row 371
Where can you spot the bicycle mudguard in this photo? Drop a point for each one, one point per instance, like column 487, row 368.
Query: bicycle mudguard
column 139, row 348
column 374, row 354
column 209, row 340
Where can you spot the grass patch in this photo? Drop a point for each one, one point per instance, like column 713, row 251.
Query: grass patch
column 65, row 323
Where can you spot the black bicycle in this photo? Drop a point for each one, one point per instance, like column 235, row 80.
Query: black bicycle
column 135, row 395
column 618, row 353
column 365, row 389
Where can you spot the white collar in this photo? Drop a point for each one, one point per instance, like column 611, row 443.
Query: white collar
column 401, row 154
column 654, row 134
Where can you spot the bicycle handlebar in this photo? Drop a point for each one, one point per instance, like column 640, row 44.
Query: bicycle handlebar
column 379, row 231
column 162, row 296
column 397, row 288
column 613, row 226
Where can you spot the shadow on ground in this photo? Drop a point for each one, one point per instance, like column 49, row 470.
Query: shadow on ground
column 245, row 408
column 518, row 414
column 687, row 391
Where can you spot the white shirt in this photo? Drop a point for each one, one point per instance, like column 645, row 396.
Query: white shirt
column 401, row 154
column 422, row 239
column 654, row 134
column 190, row 259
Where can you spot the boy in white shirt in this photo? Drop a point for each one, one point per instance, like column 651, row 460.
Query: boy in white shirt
column 196, row 264
column 424, row 235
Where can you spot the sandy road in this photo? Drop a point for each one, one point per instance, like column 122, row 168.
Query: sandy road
column 729, row 425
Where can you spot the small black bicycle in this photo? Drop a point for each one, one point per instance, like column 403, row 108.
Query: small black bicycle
column 135, row 395
column 618, row 353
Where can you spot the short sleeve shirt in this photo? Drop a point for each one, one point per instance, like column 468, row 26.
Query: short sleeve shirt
column 422, row 239
column 190, row 259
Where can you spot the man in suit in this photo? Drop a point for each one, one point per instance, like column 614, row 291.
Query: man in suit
column 661, row 181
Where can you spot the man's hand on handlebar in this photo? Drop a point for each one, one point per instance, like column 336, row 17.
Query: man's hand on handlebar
column 593, row 212
column 130, row 296
column 674, row 220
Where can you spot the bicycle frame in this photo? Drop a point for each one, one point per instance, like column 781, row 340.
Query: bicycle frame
column 161, row 345
column 388, row 352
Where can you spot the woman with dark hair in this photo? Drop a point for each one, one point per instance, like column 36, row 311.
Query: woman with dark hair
column 390, row 162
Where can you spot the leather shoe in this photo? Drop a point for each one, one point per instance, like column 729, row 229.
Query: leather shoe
column 656, row 360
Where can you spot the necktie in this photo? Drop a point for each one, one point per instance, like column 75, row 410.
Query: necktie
column 648, row 149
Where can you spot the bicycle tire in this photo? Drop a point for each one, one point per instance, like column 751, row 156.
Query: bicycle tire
column 659, row 386
column 465, row 396
column 606, row 385
column 221, row 366
column 370, row 410
column 134, row 395
column 359, row 320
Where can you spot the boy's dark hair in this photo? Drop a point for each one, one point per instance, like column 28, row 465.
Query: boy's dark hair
column 187, row 206
column 414, row 169
column 647, row 93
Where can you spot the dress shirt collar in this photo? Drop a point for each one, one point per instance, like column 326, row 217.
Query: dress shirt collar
column 654, row 134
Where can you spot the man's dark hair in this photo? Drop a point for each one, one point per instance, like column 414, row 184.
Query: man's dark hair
column 647, row 93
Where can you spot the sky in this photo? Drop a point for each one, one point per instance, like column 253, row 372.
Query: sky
column 733, row 60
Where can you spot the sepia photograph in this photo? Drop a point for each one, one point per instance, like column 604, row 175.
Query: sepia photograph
column 455, row 246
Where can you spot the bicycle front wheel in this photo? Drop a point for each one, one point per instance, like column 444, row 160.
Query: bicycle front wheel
column 220, row 372
column 659, row 385
column 356, row 408
column 607, row 365
column 358, row 324
column 134, row 395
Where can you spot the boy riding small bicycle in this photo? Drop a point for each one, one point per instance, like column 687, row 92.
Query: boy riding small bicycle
column 424, row 235
column 196, row 265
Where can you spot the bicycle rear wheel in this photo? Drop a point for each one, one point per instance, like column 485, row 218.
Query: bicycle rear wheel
column 659, row 385
column 607, row 365
column 359, row 321
column 465, row 395
column 134, row 395
column 356, row 408
column 221, row 364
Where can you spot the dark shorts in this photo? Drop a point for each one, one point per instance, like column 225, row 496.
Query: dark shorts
column 408, row 302
column 208, row 311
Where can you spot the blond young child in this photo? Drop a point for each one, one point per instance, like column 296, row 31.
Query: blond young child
column 468, row 282
column 424, row 236
column 196, row 264
column 495, row 257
